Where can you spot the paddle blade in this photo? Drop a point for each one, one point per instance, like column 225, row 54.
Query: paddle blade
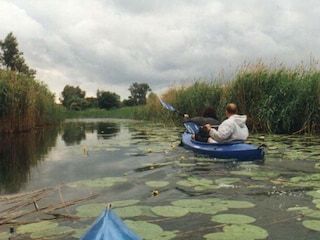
column 167, row 106
column 191, row 127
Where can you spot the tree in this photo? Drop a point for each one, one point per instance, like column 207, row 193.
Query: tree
column 108, row 100
column 12, row 58
column 139, row 92
column 73, row 97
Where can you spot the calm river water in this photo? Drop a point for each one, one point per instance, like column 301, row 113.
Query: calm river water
column 111, row 160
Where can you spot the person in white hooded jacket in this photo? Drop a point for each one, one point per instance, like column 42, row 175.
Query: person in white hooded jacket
column 234, row 128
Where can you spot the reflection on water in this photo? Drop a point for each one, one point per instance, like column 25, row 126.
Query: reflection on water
column 19, row 153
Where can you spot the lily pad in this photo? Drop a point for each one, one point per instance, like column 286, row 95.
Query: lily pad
column 227, row 180
column 191, row 203
column 90, row 209
column 315, row 194
column 130, row 211
column 192, row 181
column 246, row 231
column 144, row 229
column 4, row 235
column 100, row 182
column 223, row 236
column 232, row 218
column 37, row 227
column 236, row 204
column 124, row 203
column 170, row 211
column 312, row 224
column 52, row 232
column 157, row 183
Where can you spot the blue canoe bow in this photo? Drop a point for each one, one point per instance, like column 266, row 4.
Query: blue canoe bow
column 108, row 226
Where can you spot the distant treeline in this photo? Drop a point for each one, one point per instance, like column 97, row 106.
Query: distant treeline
column 25, row 103
column 275, row 99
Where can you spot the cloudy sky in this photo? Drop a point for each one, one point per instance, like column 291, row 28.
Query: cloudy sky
column 110, row 44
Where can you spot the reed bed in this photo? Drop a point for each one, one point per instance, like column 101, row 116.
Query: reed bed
column 275, row 99
column 25, row 103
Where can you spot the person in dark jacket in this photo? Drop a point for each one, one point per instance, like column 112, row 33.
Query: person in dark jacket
column 209, row 116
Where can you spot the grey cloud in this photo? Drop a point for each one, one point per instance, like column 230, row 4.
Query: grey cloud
column 108, row 45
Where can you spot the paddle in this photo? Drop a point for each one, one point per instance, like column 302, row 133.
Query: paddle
column 191, row 127
column 169, row 107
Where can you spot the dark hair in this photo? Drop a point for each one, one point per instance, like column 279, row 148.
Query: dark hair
column 210, row 112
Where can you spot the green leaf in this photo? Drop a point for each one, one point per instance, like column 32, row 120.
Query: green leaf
column 232, row 218
column 157, row 183
column 312, row 224
column 130, row 211
column 170, row 211
column 36, row 227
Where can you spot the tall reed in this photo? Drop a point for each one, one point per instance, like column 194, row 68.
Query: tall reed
column 24, row 103
column 275, row 98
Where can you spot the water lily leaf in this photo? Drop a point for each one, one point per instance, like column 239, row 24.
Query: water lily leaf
column 157, row 183
column 312, row 224
column 227, row 180
column 79, row 232
column 223, row 236
column 144, row 229
column 90, row 209
column 317, row 202
column 312, row 177
column 315, row 194
column 166, row 235
column 124, row 203
column 191, row 203
column 100, row 182
column 170, row 211
column 192, row 181
column 255, row 174
column 4, row 235
column 209, row 210
column 232, row 218
column 36, row 227
column 52, row 232
column 130, row 211
column 246, row 231
column 182, row 165
column 236, row 204
column 205, row 187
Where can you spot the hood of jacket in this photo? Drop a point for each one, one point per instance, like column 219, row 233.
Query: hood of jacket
column 240, row 120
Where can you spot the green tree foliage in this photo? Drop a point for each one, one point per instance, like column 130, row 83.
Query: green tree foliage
column 73, row 98
column 108, row 100
column 12, row 58
column 138, row 93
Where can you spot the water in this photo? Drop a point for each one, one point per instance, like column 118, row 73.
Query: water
column 140, row 152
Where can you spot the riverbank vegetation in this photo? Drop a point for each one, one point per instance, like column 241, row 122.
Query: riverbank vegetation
column 275, row 99
column 25, row 103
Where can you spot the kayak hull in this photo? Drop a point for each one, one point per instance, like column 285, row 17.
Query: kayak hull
column 235, row 150
column 109, row 226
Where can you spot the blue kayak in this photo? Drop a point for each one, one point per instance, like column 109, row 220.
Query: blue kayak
column 108, row 226
column 233, row 150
